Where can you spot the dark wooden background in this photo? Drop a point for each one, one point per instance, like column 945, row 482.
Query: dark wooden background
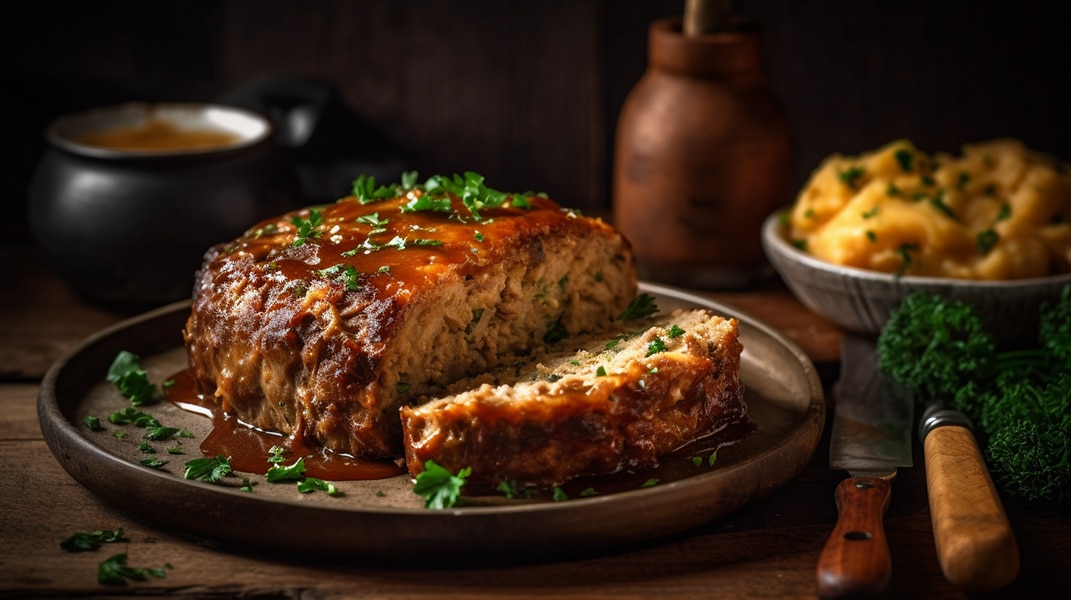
column 527, row 92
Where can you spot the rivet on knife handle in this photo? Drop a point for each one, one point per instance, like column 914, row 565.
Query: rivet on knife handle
column 855, row 560
column 975, row 542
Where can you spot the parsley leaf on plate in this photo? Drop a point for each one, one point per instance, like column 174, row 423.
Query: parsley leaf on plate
column 440, row 488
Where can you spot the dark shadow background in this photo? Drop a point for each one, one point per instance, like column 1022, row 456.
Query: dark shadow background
column 527, row 92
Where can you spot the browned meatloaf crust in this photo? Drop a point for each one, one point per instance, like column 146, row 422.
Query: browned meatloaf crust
column 322, row 323
column 618, row 401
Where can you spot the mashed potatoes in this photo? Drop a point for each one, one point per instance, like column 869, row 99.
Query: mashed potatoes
column 998, row 211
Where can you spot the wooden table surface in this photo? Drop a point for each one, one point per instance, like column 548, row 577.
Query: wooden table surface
column 767, row 550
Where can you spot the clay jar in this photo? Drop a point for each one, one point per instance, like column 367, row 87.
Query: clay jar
column 701, row 157
column 127, row 199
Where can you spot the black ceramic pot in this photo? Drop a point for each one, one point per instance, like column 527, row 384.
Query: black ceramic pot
column 128, row 227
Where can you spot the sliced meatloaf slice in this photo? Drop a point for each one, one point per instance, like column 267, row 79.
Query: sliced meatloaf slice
column 597, row 406
column 322, row 323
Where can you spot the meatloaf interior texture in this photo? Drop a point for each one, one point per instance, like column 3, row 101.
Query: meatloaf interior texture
column 323, row 323
column 597, row 405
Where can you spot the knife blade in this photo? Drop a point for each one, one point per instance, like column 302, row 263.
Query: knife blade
column 975, row 543
column 870, row 439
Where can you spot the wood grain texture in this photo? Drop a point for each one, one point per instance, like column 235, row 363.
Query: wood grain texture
column 975, row 542
column 855, row 560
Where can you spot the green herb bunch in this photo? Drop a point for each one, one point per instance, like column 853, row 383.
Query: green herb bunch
column 1019, row 400
column 437, row 190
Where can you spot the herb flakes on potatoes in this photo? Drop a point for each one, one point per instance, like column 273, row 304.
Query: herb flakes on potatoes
column 998, row 211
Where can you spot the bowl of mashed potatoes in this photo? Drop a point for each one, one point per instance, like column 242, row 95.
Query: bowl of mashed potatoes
column 990, row 226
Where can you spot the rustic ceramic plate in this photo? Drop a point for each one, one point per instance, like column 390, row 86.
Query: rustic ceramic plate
column 383, row 519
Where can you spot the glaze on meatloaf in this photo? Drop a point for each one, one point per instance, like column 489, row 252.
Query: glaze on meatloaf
column 609, row 402
column 321, row 324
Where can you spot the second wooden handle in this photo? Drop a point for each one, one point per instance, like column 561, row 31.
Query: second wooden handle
column 855, row 560
column 975, row 543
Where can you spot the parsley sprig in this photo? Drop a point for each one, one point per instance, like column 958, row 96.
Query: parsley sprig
column 86, row 541
column 307, row 227
column 116, row 571
column 131, row 380
column 440, row 488
column 643, row 305
column 437, row 193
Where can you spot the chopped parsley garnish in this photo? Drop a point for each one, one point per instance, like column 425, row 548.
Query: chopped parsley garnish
column 512, row 489
column 961, row 182
column 277, row 453
column 307, row 227
column 643, row 305
column 84, row 542
column 436, row 193
column 650, row 483
column 402, row 243
column 479, row 237
column 210, row 470
column 378, row 225
column 938, row 202
column 161, row 433
column 559, row 494
column 906, row 160
column 343, row 273
column 116, row 571
column 851, row 176
column 93, row 423
column 132, row 416
column 1005, row 212
column 601, row 371
column 440, row 488
column 131, row 380
column 584, row 493
column 146, row 448
column 426, row 202
column 892, row 190
column 699, row 460
column 873, row 212
column 364, row 188
column 293, row 472
column 904, row 252
column 986, row 240
column 153, row 462
column 675, row 331
column 555, row 334
column 655, row 346
column 312, row 484
column 870, row 235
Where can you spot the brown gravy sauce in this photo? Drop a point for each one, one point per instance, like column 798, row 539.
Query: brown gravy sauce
column 156, row 134
column 249, row 448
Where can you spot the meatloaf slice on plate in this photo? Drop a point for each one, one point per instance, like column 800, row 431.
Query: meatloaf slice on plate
column 599, row 405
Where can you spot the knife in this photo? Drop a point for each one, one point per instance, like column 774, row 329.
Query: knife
column 870, row 438
column 975, row 543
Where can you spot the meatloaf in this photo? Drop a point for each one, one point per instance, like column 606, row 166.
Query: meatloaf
column 321, row 324
column 602, row 404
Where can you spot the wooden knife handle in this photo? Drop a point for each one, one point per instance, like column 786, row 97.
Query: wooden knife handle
column 975, row 543
column 855, row 560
